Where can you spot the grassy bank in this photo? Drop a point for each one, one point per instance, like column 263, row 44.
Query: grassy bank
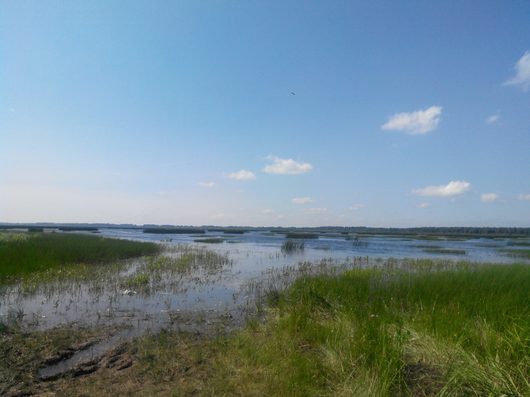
column 22, row 254
column 367, row 332
column 375, row 333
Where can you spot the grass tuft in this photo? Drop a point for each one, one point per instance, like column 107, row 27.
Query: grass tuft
column 291, row 246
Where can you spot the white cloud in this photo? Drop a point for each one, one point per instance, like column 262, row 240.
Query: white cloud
column 302, row 200
column 489, row 197
column 207, row 184
column 355, row 207
column 286, row 166
column 453, row 188
column 270, row 213
column 219, row 215
column 316, row 211
column 424, row 205
column 522, row 73
column 418, row 122
column 492, row 119
column 525, row 197
column 241, row 175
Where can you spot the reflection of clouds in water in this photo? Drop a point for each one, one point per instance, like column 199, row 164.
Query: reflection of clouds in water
column 103, row 301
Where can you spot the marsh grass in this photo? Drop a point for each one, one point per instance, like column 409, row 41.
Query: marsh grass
column 291, row 246
column 22, row 255
column 517, row 253
column 447, row 251
column 170, row 270
column 301, row 235
column 379, row 332
column 209, row 240
column 400, row 328
column 423, row 328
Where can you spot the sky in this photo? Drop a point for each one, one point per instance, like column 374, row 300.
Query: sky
column 265, row 113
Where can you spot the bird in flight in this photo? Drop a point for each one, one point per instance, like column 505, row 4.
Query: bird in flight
column 293, row 93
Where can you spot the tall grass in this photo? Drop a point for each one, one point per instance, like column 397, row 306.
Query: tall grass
column 291, row 246
column 390, row 333
column 42, row 251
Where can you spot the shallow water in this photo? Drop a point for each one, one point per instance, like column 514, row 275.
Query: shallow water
column 105, row 301
column 253, row 248
column 201, row 300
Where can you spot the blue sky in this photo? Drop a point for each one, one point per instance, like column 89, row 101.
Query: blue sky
column 299, row 113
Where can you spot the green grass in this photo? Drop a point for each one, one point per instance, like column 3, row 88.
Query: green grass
column 22, row 254
column 189, row 259
column 382, row 333
column 209, row 240
column 447, row 251
column 518, row 253
column 136, row 281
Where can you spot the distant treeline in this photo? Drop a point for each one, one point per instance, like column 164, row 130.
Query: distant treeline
column 468, row 232
column 451, row 231
column 486, row 232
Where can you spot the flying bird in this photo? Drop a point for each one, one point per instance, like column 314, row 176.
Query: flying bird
column 293, row 93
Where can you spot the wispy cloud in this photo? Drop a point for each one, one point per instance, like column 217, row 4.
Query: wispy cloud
column 270, row 213
column 286, row 166
column 207, row 184
column 241, row 175
column 315, row 211
column 415, row 123
column 492, row 119
column 489, row 197
column 355, row 207
column 453, row 188
column 522, row 73
column 525, row 197
column 424, row 205
column 302, row 200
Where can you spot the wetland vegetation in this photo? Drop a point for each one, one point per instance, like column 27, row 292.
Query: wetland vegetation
column 173, row 230
column 421, row 329
column 448, row 251
column 210, row 240
column 358, row 326
column 290, row 246
column 518, row 253
column 22, row 254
